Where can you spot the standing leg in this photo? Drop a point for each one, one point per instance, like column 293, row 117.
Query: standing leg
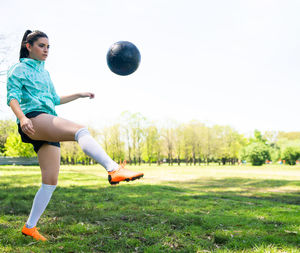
column 49, row 160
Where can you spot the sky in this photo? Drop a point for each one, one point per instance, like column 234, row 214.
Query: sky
column 219, row 62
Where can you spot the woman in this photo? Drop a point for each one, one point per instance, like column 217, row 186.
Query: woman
column 32, row 97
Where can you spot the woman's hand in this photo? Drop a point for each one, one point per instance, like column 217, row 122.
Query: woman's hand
column 26, row 126
column 87, row 94
column 69, row 98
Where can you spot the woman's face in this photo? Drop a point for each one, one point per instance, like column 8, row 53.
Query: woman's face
column 39, row 49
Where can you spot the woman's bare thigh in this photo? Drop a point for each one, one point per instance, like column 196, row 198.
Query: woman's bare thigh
column 54, row 129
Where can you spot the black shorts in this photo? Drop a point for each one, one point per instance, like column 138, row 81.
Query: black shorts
column 25, row 138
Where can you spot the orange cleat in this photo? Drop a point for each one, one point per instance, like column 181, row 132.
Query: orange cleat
column 122, row 174
column 34, row 233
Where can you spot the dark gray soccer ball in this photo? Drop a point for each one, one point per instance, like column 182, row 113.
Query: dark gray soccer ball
column 123, row 58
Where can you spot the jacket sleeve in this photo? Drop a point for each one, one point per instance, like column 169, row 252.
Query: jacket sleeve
column 56, row 98
column 14, row 84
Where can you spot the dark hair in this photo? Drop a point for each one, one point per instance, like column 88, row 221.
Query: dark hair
column 30, row 37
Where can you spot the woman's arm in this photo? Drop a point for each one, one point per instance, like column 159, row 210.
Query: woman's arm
column 25, row 123
column 69, row 98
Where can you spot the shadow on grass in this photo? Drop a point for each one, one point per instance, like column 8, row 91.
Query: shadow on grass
column 272, row 190
column 183, row 216
column 236, row 182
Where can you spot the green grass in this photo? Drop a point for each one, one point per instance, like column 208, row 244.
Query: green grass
column 173, row 209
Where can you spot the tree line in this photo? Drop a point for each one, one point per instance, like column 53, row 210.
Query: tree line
column 137, row 140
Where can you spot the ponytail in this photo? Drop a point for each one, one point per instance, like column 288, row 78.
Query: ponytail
column 29, row 37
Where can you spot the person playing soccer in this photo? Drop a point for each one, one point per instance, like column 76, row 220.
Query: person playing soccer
column 32, row 97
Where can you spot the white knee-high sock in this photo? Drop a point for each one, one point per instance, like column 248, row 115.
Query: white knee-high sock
column 91, row 148
column 40, row 203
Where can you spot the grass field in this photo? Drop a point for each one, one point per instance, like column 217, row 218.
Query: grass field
column 173, row 209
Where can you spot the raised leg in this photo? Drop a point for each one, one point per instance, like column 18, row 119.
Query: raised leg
column 51, row 128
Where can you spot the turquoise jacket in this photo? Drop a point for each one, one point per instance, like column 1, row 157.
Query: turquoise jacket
column 30, row 84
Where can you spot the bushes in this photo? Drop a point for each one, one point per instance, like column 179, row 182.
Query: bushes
column 256, row 153
column 290, row 154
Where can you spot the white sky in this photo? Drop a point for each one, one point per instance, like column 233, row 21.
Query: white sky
column 223, row 62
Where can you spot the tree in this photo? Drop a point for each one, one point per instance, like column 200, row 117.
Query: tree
column 168, row 137
column 178, row 143
column 158, row 150
column 289, row 135
column 258, row 137
column 69, row 152
column 133, row 124
column 14, row 147
column 7, row 127
column 150, row 143
column 221, row 153
column 8, row 43
column 4, row 49
column 125, row 125
column 209, row 144
column 116, row 148
column 229, row 144
column 195, row 128
column 271, row 137
column 187, row 144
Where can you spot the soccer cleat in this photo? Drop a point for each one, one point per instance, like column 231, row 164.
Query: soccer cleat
column 33, row 232
column 122, row 174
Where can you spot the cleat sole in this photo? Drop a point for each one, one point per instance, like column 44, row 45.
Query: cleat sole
column 113, row 183
column 126, row 179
